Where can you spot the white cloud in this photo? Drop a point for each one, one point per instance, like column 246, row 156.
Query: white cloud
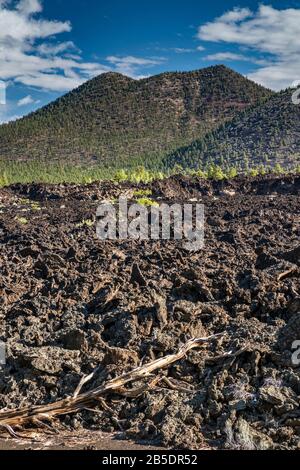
column 224, row 56
column 25, row 101
column 2, row 93
column 28, row 7
column 268, row 31
column 8, row 112
column 31, row 54
column 237, row 14
column 50, row 81
column 129, row 65
column 182, row 50
column 22, row 61
column 48, row 49
column 6, row 119
column 179, row 50
column 20, row 24
column 234, row 57
column 131, row 60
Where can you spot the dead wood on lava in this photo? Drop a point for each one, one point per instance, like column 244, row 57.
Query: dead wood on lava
column 81, row 401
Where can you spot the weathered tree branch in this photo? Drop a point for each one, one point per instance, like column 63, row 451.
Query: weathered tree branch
column 81, row 401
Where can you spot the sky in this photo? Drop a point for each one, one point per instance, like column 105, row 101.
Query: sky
column 48, row 47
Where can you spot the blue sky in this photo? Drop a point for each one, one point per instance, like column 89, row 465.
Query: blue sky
column 49, row 47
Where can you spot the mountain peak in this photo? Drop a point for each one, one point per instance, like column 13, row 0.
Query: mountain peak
column 118, row 120
column 114, row 76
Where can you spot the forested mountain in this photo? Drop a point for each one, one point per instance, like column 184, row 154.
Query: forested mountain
column 116, row 120
column 267, row 134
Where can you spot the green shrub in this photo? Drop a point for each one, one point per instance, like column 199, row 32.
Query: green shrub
column 215, row 172
column 121, row 176
column 147, row 202
column 142, row 193
column 232, row 173
column 278, row 170
column 253, row 172
column 22, row 220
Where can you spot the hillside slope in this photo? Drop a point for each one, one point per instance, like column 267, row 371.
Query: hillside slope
column 116, row 120
column 267, row 134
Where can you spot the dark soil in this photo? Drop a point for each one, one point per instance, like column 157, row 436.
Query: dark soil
column 71, row 303
column 70, row 440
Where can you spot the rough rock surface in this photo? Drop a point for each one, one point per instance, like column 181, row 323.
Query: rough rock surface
column 71, row 304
